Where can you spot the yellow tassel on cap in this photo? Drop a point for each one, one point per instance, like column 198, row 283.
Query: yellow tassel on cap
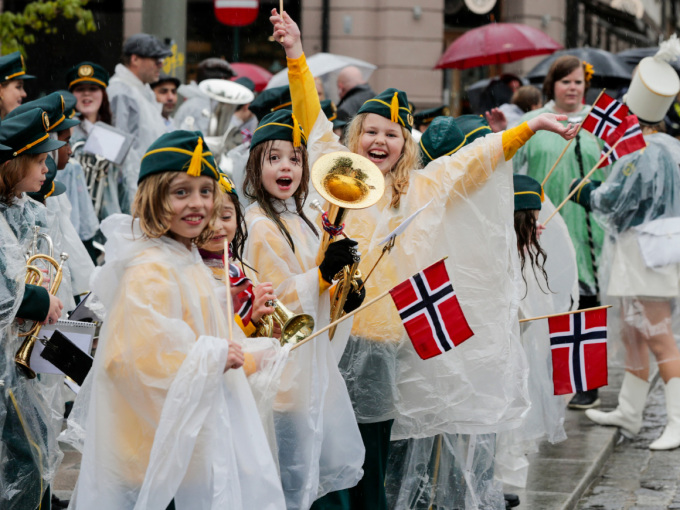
column 394, row 108
column 196, row 159
column 297, row 135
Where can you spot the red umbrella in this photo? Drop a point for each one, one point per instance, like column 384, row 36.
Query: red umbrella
column 259, row 75
column 496, row 43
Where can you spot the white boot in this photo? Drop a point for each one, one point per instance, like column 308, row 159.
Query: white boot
column 671, row 434
column 628, row 414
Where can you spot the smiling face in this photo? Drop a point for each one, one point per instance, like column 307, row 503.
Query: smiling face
column 191, row 200
column 11, row 94
column 282, row 169
column 35, row 175
column 89, row 98
column 225, row 227
column 569, row 91
column 381, row 141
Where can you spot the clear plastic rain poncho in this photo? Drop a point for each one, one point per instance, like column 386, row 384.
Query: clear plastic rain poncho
column 480, row 386
column 110, row 199
column 319, row 444
column 446, row 472
column 639, row 205
column 194, row 113
column 29, row 455
column 164, row 421
column 82, row 212
column 136, row 112
column 544, row 421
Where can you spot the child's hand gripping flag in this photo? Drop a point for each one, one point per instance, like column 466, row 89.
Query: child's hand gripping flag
column 579, row 351
column 430, row 311
column 605, row 116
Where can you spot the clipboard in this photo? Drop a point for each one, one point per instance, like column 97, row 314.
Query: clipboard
column 80, row 333
column 108, row 142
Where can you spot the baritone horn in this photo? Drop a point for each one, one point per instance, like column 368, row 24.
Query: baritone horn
column 346, row 181
column 294, row 328
column 34, row 276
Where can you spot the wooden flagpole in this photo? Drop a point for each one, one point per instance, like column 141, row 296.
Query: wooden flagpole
column 350, row 314
column 230, row 307
column 567, row 146
column 565, row 313
column 592, row 171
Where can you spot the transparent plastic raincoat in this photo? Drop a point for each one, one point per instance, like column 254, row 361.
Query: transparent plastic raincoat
column 136, row 112
column 639, row 205
column 319, row 446
column 29, row 455
column 164, row 421
column 82, row 212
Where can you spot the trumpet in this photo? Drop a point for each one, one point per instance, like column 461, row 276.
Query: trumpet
column 294, row 328
column 34, row 276
column 346, row 181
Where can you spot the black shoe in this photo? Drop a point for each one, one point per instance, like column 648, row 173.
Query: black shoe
column 511, row 500
column 584, row 400
column 58, row 504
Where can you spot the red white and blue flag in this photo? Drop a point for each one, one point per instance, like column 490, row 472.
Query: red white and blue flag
column 579, row 351
column 605, row 116
column 429, row 308
column 629, row 138
column 243, row 303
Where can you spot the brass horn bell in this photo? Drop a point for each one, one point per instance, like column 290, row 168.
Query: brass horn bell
column 294, row 328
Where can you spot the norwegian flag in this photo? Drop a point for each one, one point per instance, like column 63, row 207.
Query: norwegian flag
column 243, row 304
column 430, row 311
column 630, row 134
column 605, row 116
column 579, row 351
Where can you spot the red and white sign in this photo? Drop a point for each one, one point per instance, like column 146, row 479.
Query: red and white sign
column 236, row 13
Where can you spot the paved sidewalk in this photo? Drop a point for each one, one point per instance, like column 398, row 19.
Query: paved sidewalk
column 560, row 474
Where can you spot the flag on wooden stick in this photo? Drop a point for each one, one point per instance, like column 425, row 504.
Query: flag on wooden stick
column 605, row 115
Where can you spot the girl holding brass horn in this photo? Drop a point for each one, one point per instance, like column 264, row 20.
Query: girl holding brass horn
column 171, row 421
column 30, row 454
column 319, row 445
column 479, row 388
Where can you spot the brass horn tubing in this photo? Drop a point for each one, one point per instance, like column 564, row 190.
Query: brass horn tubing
column 336, row 216
column 342, row 290
column 23, row 356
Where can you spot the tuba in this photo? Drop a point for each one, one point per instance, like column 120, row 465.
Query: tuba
column 294, row 328
column 34, row 276
column 96, row 169
column 347, row 181
column 229, row 96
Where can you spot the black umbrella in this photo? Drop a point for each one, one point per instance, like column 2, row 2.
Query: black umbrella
column 633, row 56
column 610, row 70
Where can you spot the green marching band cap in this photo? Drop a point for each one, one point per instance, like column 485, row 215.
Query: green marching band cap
column 246, row 82
column 279, row 125
column 473, row 127
column 70, row 102
column 528, row 193
column 27, row 134
column 427, row 116
column 391, row 104
column 54, row 105
column 271, row 100
column 179, row 151
column 12, row 67
column 50, row 187
column 227, row 185
column 87, row 72
column 329, row 109
column 442, row 138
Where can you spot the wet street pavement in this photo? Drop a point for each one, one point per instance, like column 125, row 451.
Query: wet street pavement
column 635, row 477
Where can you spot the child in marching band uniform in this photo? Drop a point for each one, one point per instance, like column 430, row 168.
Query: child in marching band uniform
column 319, row 445
column 30, row 455
column 456, row 393
column 171, row 420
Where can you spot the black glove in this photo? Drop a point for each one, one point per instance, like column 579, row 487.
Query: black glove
column 338, row 255
column 354, row 298
column 582, row 197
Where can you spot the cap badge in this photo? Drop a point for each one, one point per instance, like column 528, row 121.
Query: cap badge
column 85, row 71
column 409, row 119
column 46, row 121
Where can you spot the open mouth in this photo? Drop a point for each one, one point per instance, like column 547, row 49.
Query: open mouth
column 193, row 220
column 284, row 182
column 377, row 155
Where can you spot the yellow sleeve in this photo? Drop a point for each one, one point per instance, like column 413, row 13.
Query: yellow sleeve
column 306, row 104
column 248, row 330
column 249, row 364
column 323, row 284
column 514, row 138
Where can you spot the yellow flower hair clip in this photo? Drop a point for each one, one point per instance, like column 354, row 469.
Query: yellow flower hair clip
column 589, row 70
